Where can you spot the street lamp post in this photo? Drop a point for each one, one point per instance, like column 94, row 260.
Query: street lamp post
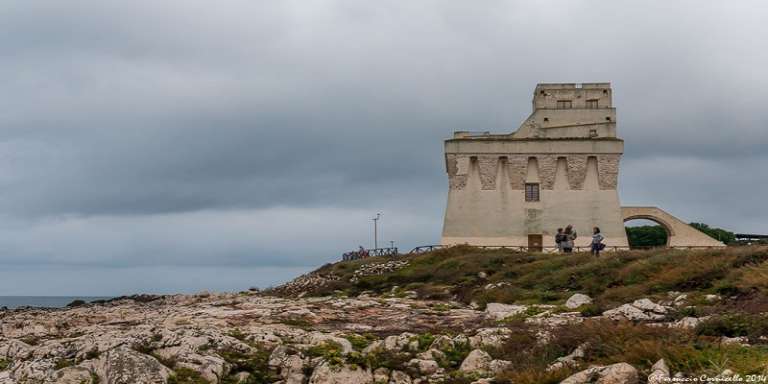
column 376, row 231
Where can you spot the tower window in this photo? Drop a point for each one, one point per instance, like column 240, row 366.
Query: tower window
column 592, row 104
column 531, row 191
column 564, row 104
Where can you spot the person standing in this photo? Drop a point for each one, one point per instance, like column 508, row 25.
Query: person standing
column 597, row 241
column 560, row 240
column 570, row 237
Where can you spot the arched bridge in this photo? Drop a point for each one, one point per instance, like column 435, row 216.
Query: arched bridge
column 679, row 233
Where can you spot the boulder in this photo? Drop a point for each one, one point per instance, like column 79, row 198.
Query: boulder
column 649, row 306
column 397, row 343
column 431, row 354
column 642, row 309
column 659, row 373
column 686, row 323
column 424, row 367
column 399, row 377
column 317, row 338
column 345, row 374
column 73, row 375
column 14, row 349
column 381, row 375
column 123, row 365
column 487, row 338
column 712, row 298
column 477, row 361
column 442, row 343
column 739, row 340
column 577, row 300
column 620, row 373
column 570, row 360
column 32, row 371
column 498, row 366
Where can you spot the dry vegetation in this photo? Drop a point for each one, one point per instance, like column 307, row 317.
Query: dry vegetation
column 740, row 273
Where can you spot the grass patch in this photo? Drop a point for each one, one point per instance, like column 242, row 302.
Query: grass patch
column 640, row 345
column 537, row 278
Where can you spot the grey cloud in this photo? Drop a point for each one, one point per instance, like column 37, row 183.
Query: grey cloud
column 118, row 113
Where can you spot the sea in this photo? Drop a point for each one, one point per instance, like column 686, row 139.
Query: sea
column 12, row 302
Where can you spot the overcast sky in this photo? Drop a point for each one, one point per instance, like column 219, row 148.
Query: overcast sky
column 151, row 146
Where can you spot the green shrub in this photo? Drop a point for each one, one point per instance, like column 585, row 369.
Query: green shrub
column 589, row 310
column 454, row 355
column 330, row 351
column 186, row 376
column 255, row 363
column 424, row 340
column 359, row 342
column 735, row 325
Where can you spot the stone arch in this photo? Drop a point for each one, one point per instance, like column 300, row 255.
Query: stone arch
column 679, row 233
column 667, row 227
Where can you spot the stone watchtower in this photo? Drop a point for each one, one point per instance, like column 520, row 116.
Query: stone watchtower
column 560, row 167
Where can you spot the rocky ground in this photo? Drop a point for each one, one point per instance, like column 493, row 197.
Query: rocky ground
column 394, row 337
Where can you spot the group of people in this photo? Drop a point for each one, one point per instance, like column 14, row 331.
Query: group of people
column 564, row 239
column 361, row 253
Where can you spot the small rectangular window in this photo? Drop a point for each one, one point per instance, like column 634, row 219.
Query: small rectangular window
column 564, row 104
column 531, row 191
column 592, row 104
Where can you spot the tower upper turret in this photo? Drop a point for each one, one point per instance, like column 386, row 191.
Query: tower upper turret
column 570, row 110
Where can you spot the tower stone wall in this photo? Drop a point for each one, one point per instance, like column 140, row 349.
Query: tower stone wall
column 566, row 149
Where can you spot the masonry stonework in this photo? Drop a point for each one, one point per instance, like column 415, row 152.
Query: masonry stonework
column 570, row 136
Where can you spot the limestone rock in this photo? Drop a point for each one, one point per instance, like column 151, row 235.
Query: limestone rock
column 396, row 343
column 442, row 343
column 488, row 337
column 14, row 349
column 381, row 375
column 476, row 361
column 620, row 373
column 123, row 365
column 577, row 300
column 642, row 309
column 499, row 311
column 570, row 360
column 73, row 375
column 399, row 377
column 424, row 367
column 326, row 374
column 659, row 373
column 739, row 340
column 712, row 298
column 498, row 366
column 686, row 323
